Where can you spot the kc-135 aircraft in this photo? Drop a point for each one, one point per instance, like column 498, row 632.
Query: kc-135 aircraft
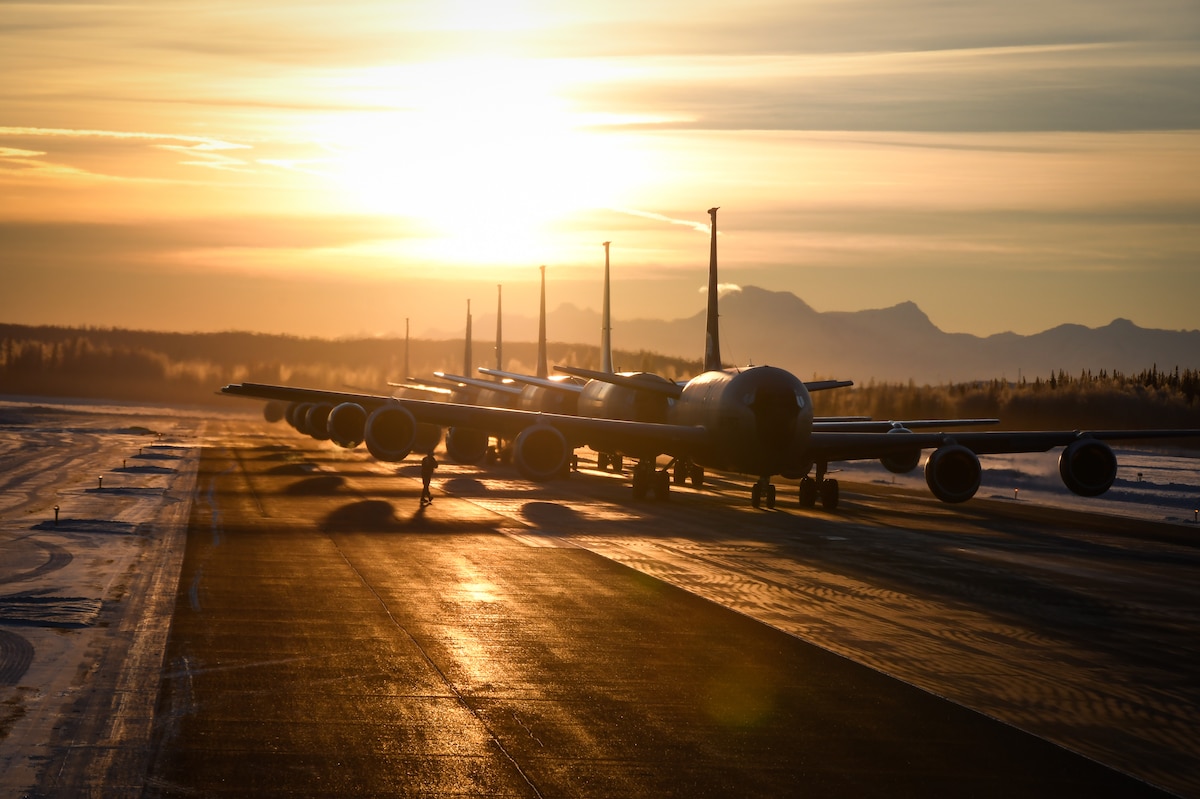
column 756, row 420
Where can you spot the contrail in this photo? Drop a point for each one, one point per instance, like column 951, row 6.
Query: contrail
column 700, row 227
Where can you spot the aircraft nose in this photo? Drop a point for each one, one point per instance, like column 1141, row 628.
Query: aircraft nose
column 776, row 410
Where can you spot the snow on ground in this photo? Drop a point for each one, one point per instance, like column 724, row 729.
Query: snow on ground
column 121, row 478
column 1151, row 485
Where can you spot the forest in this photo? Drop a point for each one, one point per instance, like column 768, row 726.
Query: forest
column 189, row 368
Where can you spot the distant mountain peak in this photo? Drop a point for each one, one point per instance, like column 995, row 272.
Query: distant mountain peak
column 755, row 297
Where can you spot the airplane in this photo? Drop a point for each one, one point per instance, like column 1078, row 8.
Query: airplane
column 756, row 420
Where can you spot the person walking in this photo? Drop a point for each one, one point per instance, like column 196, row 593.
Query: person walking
column 428, row 466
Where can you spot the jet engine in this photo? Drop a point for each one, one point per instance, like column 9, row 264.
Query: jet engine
column 901, row 462
column 347, row 425
column 953, row 473
column 316, row 421
column 465, row 445
column 389, row 433
column 273, row 411
column 1088, row 467
column 541, row 452
column 295, row 414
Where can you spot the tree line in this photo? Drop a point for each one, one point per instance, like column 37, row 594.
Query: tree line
column 1149, row 398
column 189, row 368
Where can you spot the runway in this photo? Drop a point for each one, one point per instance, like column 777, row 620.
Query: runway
column 329, row 637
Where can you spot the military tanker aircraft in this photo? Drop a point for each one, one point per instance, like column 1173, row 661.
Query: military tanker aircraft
column 755, row 420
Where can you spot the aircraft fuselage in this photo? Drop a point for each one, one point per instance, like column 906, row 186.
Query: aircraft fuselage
column 762, row 417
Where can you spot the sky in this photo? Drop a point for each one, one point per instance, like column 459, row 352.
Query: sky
column 333, row 169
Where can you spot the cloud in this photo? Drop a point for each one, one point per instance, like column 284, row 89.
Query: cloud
column 201, row 151
column 723, row 289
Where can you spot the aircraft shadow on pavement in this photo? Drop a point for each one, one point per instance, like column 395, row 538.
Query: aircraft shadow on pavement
column 379, row 516
column 551, row 514
column 291, row 469
column 463, row 486
column 321, row 485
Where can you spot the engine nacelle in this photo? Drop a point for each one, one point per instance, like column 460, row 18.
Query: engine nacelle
column 316, row 421
column 953, row 473
column 466, row 446
column 347, row 425
column 389, row 433
column 541, row 452
column 901, row 462
column 295, row 414
column 273, row 411
column 1088, row 467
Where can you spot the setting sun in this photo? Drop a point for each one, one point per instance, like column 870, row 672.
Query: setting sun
column 486, row 153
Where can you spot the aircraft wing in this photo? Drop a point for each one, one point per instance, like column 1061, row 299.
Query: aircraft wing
column 863, row 424
column 604, row 434
column 845, row 446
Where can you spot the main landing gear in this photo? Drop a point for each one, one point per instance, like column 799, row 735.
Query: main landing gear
column 811, row 489
column 649, row 479
column 604, row 460
column 820, row 487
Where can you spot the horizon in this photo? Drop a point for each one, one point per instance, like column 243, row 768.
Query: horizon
column 330, row 171
column 521, row 328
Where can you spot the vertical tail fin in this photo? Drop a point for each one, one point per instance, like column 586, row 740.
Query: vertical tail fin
column 499, row 336
column 467, row 359
column 712, row 342
column 606, row 363
column 543, row 365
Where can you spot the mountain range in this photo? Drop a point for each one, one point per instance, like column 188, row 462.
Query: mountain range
column 893, row 344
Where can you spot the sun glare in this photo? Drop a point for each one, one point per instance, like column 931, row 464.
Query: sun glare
column 486, row 153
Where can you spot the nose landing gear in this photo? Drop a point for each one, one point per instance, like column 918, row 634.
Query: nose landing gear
column 762, row 493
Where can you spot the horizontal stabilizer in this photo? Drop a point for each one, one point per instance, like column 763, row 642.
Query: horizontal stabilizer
column 562, row 384
column 488, row 385
column 825, row 385
column 672, row 390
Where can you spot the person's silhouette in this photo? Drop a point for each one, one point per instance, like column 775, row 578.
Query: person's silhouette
column 428, row 465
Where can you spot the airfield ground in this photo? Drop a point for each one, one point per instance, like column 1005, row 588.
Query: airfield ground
column 234, row 607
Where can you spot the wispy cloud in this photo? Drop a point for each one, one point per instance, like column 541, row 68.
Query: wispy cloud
column 203, row 152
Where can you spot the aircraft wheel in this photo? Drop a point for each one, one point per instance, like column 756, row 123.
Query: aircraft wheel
column 756, row 495
column 490, row 457
column 618, row 463
column 770, row 496
column 697, row 476
column 681, row 473
column 662, row 485
column 808, row 492
column 639, row 484
column 574, row 463
column 829, row 494
column 602, row 461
